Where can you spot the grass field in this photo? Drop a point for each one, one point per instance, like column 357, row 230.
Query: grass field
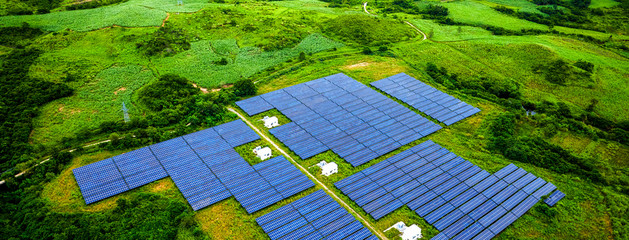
column 521, row 5
column 473, row 12
column 603, row 3
column 92, row 104
column 134, row 13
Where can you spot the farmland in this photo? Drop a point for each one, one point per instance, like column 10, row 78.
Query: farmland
column 65, row 81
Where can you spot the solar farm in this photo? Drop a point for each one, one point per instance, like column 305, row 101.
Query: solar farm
column 340, row 114
column 203, row 165
column 457, row 197
column 357, row 123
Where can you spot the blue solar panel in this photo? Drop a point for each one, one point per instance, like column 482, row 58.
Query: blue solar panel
column 444, row 189
column 317, row 216
column 544, row 190
column 429, row 100
column 554, row 198
column 470, row 232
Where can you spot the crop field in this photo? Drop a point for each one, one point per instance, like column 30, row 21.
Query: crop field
column 134, row 13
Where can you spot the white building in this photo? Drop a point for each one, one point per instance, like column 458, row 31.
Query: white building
column 270, row 122
column 407, row 233
column 411, row 233
column 328, row 169
column 263, row 153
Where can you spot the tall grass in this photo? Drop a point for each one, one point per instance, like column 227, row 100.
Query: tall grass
column 100, row 100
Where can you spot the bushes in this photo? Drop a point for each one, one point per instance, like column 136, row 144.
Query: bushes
column 560, row 72
column 490, row 89
column 12, row 36
column 21, row 96
column 93, row 4
column 536, row 151
column 165, row 42
column 435, row 11
column 245, row 87
column 166, row 92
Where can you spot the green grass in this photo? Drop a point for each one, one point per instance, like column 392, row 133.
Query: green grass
column 521, row 5
column 441, row 32
column 134, row 13
column 595, row 34
column 603, row 3
column 472, row 12
column 92, row 104
column 198, row 63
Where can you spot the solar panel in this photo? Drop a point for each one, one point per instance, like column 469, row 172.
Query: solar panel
column 454, row 195
column 429, row 100
column 363, row 107
column 554, row 198
column 314, row 216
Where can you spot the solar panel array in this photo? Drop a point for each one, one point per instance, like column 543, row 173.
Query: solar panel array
column 437, row 104
column 203, row 165
column 339, row 113
column 554, row 198
column 457, row 197
column 315, row 216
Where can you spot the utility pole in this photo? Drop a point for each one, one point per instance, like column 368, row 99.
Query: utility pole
column 126, row 113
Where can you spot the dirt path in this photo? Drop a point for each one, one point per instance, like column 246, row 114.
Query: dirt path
column 407, row 22
column 48, row 159
column 420, row 31
column 365, row 8
column 306, row 171
column 165, row 19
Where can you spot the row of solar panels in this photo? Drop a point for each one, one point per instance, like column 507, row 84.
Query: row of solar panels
column 340, row 114
column 446, row 190
column 427, row 99
column 204, row 167
column 316, row 216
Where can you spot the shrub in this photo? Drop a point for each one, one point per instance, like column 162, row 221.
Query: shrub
column 167, row 92
column 245, row 87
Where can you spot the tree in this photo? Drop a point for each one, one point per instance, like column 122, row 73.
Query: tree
column 223, row 61
column 245, row 87
column 302, row 56
column 587, row 66
column 583, row 4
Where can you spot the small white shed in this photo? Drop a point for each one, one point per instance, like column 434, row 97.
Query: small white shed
column 407, row 233
column 412, row 232
column 270, row 122
column 263, row 153
column 328, row 169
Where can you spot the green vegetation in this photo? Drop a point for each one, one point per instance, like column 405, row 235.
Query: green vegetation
column 366, row 30
column 199, row 64
column 166, row 93
column 66, row 74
